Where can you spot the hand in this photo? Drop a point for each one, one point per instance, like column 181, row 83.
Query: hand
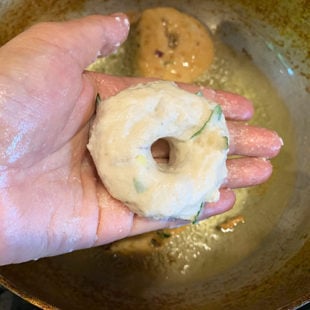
column 51, row 201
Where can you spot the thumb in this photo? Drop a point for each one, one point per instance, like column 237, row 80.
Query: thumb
column 81, row 39
column 95, row 36
column 86, row 38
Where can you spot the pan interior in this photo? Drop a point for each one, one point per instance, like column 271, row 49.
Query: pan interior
column 202, row 264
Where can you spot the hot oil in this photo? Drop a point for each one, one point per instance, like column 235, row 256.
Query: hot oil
column 204, row 250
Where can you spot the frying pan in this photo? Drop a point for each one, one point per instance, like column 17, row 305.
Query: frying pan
column 265, row 262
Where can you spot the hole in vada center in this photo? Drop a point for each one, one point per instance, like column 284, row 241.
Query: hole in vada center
column 161, row 151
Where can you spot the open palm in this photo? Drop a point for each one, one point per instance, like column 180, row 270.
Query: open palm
column 51, row 201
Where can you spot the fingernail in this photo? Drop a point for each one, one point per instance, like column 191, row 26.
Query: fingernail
column 121, row 17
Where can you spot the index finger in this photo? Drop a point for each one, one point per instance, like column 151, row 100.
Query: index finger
column 235, row 107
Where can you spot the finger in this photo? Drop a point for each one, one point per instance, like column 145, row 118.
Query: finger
column 86, row 38
column 92, row 36
column 225, row 203
column 244, row 140
column 253, row 141
column 82, row 39
column 234, row 106
column 244, row 172
column 142, row 225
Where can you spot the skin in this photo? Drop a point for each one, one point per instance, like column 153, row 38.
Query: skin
column 51, row 200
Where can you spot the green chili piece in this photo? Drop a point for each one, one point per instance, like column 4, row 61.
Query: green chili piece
column 195, row 219
column 98, row 100
column 139, row 187
column 216, row 113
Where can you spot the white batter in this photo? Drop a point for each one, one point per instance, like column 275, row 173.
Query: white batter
column 123, row 132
